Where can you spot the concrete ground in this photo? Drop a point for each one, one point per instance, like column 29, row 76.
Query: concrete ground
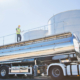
column 40, row 78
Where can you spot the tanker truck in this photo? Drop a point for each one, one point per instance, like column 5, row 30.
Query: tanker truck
column 56, row 56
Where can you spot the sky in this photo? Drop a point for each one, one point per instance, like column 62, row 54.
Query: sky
column 30, row 13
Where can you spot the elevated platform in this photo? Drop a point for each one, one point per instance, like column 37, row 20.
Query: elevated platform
column 62, row 35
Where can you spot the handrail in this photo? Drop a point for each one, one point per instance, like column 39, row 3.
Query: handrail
column 11, row 38
column 39, row 39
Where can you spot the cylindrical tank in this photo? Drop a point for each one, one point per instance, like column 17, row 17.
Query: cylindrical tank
column 47, row 46
column 68, row 21
column 34, row 34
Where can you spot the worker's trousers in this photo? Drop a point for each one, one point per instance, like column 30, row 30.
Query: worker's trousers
column 18, row 37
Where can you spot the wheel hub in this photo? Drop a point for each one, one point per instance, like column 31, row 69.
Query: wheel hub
column 3, row 72
column 55, row 72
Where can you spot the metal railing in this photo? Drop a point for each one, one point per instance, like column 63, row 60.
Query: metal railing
column 12, row 38
column 39, row 32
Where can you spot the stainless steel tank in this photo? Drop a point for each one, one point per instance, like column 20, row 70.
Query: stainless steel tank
column 46, row 46
column 68, row 21
column 34, row 34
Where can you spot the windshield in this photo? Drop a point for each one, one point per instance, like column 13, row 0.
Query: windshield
column 76, row 37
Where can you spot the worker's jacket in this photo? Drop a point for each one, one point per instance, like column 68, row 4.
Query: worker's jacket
column 18, row 30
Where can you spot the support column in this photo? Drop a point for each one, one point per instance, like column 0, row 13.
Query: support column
column 35, row 68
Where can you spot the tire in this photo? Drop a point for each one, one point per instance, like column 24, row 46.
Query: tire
column 4, row 72
column 56, row 73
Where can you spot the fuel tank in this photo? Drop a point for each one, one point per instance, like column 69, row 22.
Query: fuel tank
column 46, row 46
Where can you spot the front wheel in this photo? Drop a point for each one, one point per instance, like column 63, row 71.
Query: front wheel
column 56, row 73
column 4, row 72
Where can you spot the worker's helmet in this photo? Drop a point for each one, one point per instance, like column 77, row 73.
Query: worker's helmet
column 18, row 25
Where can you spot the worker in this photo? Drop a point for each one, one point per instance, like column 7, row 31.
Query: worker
column 18, row 31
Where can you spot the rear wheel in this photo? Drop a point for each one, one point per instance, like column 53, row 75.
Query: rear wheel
column 56, row 73
column 4, row 72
